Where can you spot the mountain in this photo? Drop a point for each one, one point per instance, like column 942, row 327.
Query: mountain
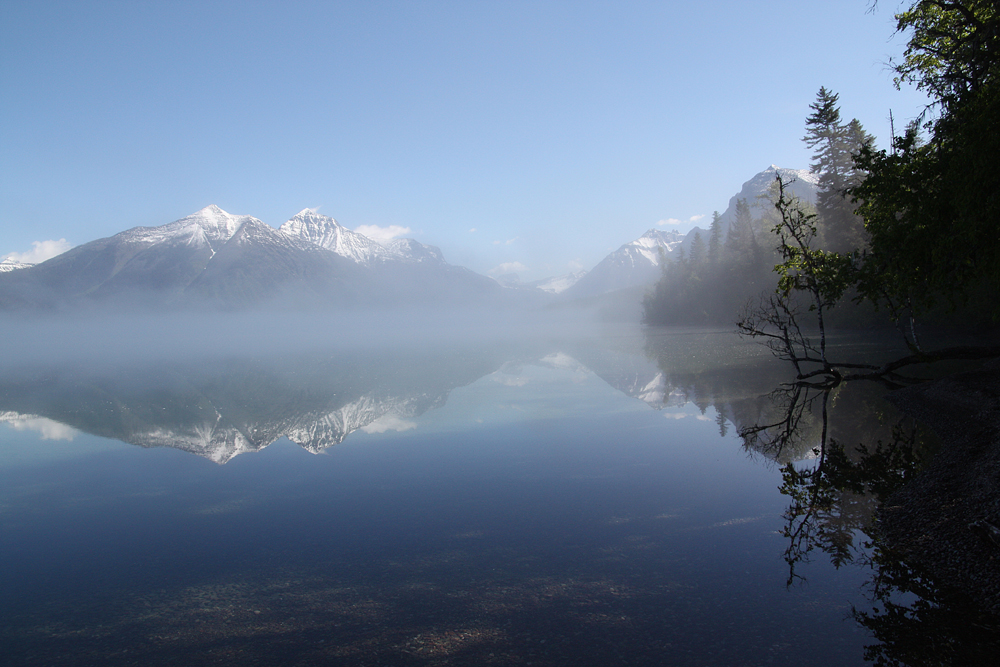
column 211, row 257
column 799, row 183
column 217, row 259
column 327, row 233
column 12, row 265
column 637, row 263
column 553, row 285
column 558, row 284
column 400, row 271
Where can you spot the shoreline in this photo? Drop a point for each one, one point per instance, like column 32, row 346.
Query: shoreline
column 940, row 520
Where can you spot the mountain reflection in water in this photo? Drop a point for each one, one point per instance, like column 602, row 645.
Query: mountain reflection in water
column 222, row 408
column 503, row 504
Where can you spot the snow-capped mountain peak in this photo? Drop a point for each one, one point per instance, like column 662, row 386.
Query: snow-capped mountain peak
column 210, row 225
column 327, row 233
column 217, row 224
column 648, row 245
column 13, row 265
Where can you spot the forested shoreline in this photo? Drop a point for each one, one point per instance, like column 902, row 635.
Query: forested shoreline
column 903, row 236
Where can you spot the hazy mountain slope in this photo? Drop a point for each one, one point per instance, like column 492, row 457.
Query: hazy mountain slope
column 635, row 263
column 158, row 262
column 260, row 263
column 216, row 259
column 327, row 233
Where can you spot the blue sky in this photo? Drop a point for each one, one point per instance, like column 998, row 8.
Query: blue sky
column 540, row 135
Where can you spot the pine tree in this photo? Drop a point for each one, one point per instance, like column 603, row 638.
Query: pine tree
column 825, row 135
column 740, row 239
column 834, row 145
column 697, row 251
column 715, row 238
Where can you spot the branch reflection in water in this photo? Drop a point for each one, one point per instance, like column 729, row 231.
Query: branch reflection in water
column 835, row 499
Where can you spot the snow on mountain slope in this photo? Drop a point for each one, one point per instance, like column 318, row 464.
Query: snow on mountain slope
column 210, row 225
column 635, row 263
column 413, row 250
column 559, row 284
column 12, row 265
column 649, row 244
column 327, row 233
column 798, row 182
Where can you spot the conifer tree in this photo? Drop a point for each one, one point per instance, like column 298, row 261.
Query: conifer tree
column 834, row 145
column 715, row 238
column 697, row 251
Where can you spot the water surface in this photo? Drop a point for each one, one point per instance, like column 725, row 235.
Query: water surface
column 578, row 501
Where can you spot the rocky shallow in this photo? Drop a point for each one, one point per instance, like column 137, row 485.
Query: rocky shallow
column 945, row 520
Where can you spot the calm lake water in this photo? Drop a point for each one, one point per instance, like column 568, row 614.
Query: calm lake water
column 585, row 501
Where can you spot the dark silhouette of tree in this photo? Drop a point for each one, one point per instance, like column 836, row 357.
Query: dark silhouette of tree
column 930, row 207
column 834, row 146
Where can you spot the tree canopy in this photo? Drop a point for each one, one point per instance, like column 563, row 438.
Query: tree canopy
column 931, row 207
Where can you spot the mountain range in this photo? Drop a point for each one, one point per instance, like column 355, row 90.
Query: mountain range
column 214, row 259
column 637, row 263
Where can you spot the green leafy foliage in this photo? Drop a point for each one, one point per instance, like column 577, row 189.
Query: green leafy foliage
column 931, row 208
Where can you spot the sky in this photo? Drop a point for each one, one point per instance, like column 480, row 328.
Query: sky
column 533, row 137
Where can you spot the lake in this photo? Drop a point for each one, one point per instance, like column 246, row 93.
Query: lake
column 565, row 500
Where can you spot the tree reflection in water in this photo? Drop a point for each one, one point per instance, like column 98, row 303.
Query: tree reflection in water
column 834, row 500
column 844, row 452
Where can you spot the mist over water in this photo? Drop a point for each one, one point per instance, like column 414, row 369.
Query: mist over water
column 458, row 486
column 104, row 337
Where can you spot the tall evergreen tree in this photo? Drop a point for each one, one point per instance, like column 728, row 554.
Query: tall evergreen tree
column 740, row 239
column 697, row 251
column 834, row 145
column 715, row 238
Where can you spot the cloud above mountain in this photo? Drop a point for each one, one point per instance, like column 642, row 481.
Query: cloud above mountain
column 389, row 422
column 41, row 251
column 508, row 267
column 676, row 222
column 378, row 233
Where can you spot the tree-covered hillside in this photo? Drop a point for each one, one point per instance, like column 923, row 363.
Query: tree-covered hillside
column 909, row 231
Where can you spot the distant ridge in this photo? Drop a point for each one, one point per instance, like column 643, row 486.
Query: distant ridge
column 217, row 259
column 637, row 263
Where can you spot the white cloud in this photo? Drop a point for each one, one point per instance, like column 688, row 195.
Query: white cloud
column 377, row 233
column 507, row 242
column 575, row 265
column 41, row 251
column 676, row 222
column 388, row 423
column 508, row 267
column 509, row 380
column 560, row 360
column 47, row 428
column 472, row 231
